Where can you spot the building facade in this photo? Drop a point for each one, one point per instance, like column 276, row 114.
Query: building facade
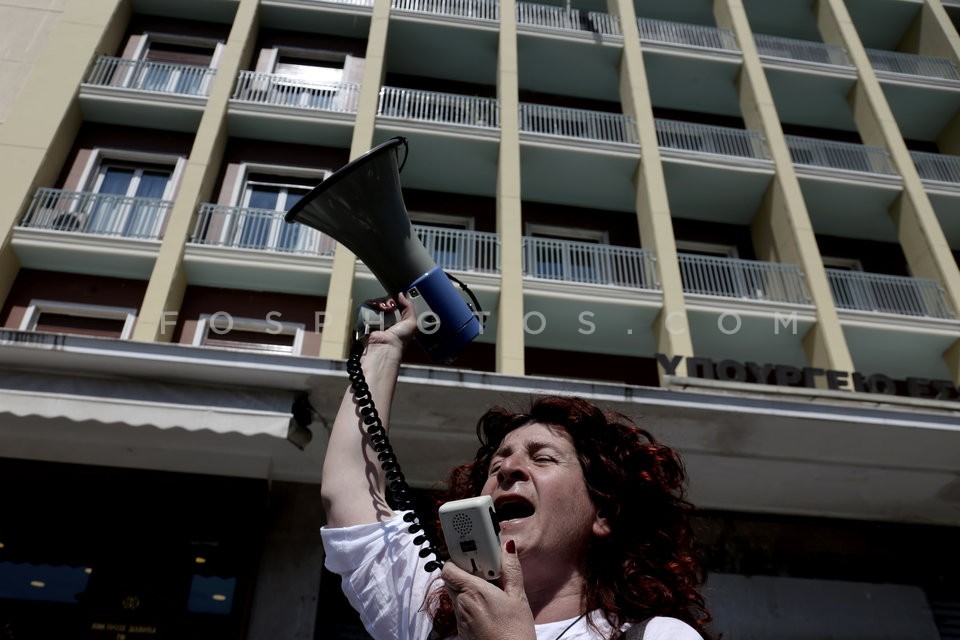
column 737, row 221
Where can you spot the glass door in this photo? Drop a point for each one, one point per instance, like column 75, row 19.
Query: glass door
column 128, row 201
column 261, row 225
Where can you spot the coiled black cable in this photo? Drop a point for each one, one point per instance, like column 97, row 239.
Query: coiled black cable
column 398, row 492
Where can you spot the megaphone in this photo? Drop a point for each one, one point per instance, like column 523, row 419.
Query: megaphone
column 361, row 206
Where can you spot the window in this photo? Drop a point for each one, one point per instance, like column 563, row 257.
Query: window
column 564, row 253
column 269, row 335
column 174, row 64
column 127, row 194
column 311, row 79
column 51, row 316
column 132, row 203
column 708, row 249
column 264, row 199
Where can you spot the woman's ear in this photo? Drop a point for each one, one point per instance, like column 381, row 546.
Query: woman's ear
column 601, row 525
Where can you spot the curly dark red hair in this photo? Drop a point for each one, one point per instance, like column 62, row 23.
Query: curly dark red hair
column 647, row 566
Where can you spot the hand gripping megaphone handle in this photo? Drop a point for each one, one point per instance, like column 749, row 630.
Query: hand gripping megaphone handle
column 443, row 325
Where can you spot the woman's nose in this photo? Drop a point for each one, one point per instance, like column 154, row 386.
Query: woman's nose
column 512, row 469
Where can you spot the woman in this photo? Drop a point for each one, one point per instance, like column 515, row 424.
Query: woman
column 594, row 526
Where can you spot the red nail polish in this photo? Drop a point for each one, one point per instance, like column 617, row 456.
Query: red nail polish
column 511, row 546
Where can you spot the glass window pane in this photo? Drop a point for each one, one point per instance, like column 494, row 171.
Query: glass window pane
column 116, row 181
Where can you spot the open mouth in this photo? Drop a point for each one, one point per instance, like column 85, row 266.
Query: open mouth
column 513, row 508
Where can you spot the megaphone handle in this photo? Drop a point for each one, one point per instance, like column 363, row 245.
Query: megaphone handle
column 396, row 483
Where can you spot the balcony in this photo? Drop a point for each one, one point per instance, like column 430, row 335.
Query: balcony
column 348, row 18
column 848, row 188
column 691, row 67
column 843, row 156
column 131, row 92
column 569, row 52
column 897, row 295
column 686, row 35
column 588, row 263
column 461, row 250
column 941, row 179
column 730, row 166
column 746, row 309
column 97, row 214
column 589, row 297
column 439, row 108
column 268, row 89
column 569, row 21
column 937, row 167
column 154, row 77
column 445, row 39
column 275, row 107
column 482, row 10
column 709, row 139
column 775, row 48
column 578, row 124
column 809, row 81
column 909, row 317
column 243, row 247
column 923, row 91
column 909, row 64
column 91, row 233
column 258, row 229
column 742, row 279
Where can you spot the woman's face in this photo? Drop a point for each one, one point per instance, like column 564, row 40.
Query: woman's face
column 541, row 498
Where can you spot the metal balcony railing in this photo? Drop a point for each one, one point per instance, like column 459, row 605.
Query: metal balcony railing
column 355, row 3
column 744, row 279
column 588, row 263
column 262, row 229
column 577, row 123
column 802, row 50
column 461, row 250
column 912, row 64
column 281, row 91
column 937, row 166
column 97, row 213
column 690, row 35
column 880, row 293
column 839, row 155
column 702, row 138
column 471, row 9
column 560, row 18
column 158, row 77
column 431, row 106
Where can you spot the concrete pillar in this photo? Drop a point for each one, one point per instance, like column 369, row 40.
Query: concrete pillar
column 285, row 600
column 921, row 236
column 510, row 338
column 338, row 319
column 932, row 34
column 42, row 123
column 671, row 327
column 168, row 280
column 781, row 230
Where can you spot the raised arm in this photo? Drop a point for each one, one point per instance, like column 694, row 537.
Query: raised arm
column 352, row 484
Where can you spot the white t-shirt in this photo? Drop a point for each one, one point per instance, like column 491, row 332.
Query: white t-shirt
column 384, row 580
